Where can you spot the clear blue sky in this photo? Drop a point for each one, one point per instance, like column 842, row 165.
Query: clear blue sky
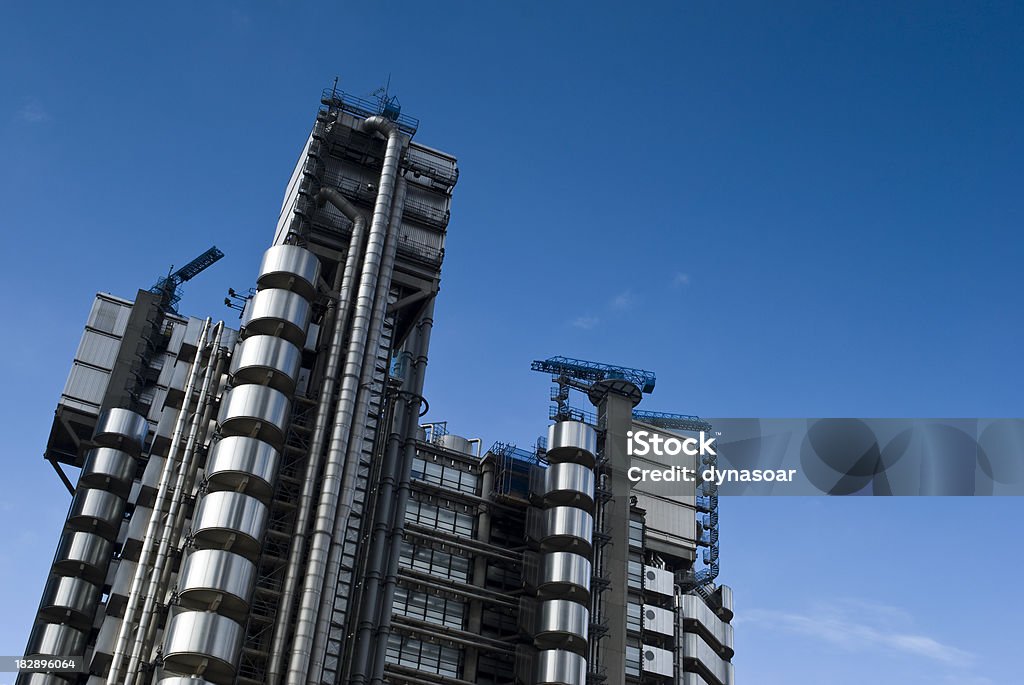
column 783, row 208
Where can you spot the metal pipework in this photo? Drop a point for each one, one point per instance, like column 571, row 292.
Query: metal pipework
column 387, row 599
column 116, row 674
column 338, row 470
column 358, row 434
column 187, row 468
column 344, row 282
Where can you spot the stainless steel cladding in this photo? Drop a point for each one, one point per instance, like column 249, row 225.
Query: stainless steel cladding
column 214, row 577
column 230, row 520
column 266, row 360
column 96, row 511
column 659, row 580
column 121, row 428
column 204, row 642
column 561, row 667
column 567, row 575
column 456, row 443
column 69, row 600
column 278, row 312
column 256, row 411
column 243, row 464
column 85, row 555
column 658, row 620
column 183, row 680
column 290, row 267
column 562, row 623
column 51, row 639
column 108, row 469
column 692, row 648
column 656, row 660
column 568, row 528
column 698, row 617
column 572, row 441
column 567, row 484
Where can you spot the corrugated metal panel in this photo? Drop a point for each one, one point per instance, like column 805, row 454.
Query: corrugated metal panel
column 421, row 236
column 98, row 349
column 109, row 315
column 659, row 620
column 86, row 383
column 656, row 660
column 673, row 517
column 290, row 194
column 659, row 580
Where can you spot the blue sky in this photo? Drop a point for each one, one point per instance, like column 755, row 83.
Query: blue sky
column 785, row 209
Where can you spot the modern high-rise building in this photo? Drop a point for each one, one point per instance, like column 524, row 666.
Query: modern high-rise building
column 262, row 505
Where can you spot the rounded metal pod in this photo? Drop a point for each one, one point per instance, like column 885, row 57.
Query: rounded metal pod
column 242, row 464
column 280, row 313
column 51, row 639
column 266, row 360
column 121, row 428
column 213, row 579
column 566, row 484
column 96, row 511
column 564, row 624
column 565, row 575
column 69, row 600
column 568, row 529
column 200, row 639
column 107, row 468
column 231, row 521
column 560, row 667
column 85, row 555
column 255, row 411
column 572, row 441
column 456, row 443
column 289, row 267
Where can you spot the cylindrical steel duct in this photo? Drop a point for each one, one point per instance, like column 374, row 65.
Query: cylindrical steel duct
column 186, row 467
column 358, row 434
column 414, row 399
column 338, row 469
column 345, row 281
column 121, row 651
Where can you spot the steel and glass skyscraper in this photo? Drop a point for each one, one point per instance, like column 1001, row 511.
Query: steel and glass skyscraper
column 261, row 505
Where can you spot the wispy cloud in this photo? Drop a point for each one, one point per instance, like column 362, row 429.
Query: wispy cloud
column 32, row 112
column 862, row 626
column 680, row 279
column 585, row 322
column 622, row 301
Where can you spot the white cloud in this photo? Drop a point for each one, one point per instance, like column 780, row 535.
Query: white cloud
column 622, row 301
column 680, row 279
column 585, row 322
column 862, row 626
column 31, row 112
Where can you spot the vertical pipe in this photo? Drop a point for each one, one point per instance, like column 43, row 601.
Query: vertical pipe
column 358, row 434
column 338, row 469
column 398, row 515
column 474, row 621
column 115, row 676
column 186, row 468
column 344, row 282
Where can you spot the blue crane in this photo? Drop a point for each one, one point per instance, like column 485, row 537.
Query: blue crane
column 169, row 287
column 578, row 374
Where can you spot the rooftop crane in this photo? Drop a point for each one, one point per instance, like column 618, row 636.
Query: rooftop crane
column 169, row 287
column 577, row 374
